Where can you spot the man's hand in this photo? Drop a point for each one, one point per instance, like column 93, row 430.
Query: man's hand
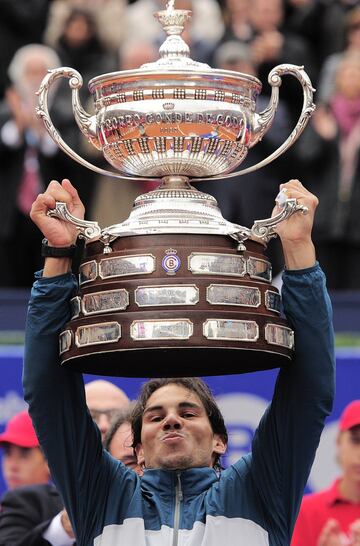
column 20, row 114
column 354, row 532
column 331, row 534
column 58, row 232
column 295, row 232
column 65, row 522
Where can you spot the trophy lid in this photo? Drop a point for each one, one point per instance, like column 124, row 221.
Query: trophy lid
column 175, row 55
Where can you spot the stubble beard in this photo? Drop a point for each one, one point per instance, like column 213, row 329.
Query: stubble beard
column 177, row 462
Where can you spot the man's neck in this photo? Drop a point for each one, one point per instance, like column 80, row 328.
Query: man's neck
column 350, row 490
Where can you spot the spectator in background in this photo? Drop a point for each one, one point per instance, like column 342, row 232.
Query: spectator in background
column 104, row 400
column 320, row 23
column 23, row 462
column 244, row 199
column 236, row 19
column 110, row 17
column 332, row 517
column 79, row 46
column 329, row 153
column 22, row 22
column 27, row 161
column 29, row 158
column 328, row 72
column 115, row 198
column 272, row 44
column 118, row 440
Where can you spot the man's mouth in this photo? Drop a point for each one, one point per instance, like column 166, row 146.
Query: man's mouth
column 172, row 438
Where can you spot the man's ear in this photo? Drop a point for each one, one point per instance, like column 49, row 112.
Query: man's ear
column 140, row 455
column 219, row 445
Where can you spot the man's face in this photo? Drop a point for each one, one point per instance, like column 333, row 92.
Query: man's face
column 104, row 400
column 176, row 432
column 24, row 466
column 120, row 446
column 349, row 453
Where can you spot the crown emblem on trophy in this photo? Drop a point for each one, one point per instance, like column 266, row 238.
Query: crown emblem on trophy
column 176, row 121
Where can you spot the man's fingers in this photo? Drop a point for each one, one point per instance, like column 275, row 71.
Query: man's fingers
column 354, row 529
column 42, row 204
column 331, row 530
column 295, row 190
column 66, row 184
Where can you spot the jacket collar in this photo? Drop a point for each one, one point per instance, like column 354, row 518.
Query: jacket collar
column 193, row 480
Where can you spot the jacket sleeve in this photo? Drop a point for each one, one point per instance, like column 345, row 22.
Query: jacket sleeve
column 302, row 535
column 80, row 469
column 286, row 440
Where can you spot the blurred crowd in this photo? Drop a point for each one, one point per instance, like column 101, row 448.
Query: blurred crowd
column 99, row 36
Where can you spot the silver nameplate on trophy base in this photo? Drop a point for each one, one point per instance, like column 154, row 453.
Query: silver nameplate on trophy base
column 273, row 301
column 259, row 269
column 65, row 340
column 75, row 306
column 217, row 264
column 228, row 294
column 153, row 296
column 122, row 266
column 276, row 334
column 161, row 329
column 239, row 330
column 94, row 334
column 103, row 302
column 88, row 272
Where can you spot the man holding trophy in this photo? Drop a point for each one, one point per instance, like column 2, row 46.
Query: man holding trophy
column 179, row 435
column 176, row 291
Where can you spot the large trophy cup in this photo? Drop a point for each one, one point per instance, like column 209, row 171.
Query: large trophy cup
column 176, row 289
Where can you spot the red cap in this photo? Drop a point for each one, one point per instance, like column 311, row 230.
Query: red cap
column 350, row 416
column 20, row 431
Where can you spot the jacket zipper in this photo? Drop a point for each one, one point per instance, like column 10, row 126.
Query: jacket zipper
column 178, row 501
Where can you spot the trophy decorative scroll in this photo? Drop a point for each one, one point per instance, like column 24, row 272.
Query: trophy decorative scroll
column 176, row 289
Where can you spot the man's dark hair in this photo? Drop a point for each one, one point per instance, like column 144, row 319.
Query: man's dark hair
column 120, row 416
column 194, row 384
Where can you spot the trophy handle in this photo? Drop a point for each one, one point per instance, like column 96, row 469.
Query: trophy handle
column 265, row 229
column 265, row 118
column 86, row 123
column 87, row 230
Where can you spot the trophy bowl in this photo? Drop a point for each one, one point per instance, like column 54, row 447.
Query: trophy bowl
column 176, row 289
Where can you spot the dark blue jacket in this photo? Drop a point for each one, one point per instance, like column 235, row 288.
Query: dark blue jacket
column 254, row 502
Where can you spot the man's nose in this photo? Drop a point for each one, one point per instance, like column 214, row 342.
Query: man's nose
column 172, row 421
column 103, row 423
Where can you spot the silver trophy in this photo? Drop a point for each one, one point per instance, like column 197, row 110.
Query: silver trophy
column 176, row 274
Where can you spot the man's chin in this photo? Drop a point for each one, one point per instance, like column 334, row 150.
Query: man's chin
column 176, row 462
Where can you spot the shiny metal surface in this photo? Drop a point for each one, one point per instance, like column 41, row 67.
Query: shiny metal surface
column 161, row 329
column 175, row 120
column 227, row 294
column 175, row 116
column 240, row 330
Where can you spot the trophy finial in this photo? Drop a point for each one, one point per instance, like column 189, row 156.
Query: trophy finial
column 170, row 5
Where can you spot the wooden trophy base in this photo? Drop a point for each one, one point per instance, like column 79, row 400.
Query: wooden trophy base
column 175, row 305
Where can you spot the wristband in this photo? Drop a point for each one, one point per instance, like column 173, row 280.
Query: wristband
column 57, row 252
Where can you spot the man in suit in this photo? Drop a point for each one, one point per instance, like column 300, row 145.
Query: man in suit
column 25, row 515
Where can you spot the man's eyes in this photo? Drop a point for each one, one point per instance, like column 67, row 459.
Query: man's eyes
column 185, row 415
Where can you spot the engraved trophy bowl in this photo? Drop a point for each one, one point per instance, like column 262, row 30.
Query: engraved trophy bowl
column 176, row 289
